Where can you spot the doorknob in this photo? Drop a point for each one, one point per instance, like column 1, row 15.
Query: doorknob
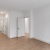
column 18, row 28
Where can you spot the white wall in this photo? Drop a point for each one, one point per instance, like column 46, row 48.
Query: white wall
column 13, row 23
column 42, row 24
column 26, row 14
column 31, row 24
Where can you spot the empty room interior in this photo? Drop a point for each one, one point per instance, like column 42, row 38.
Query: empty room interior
column 24, row 24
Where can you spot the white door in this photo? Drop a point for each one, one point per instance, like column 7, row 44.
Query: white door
column 21, row 27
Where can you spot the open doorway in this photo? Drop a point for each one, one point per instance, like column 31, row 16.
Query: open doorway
column 23, row 27
column 27, row 27
column 3, row 24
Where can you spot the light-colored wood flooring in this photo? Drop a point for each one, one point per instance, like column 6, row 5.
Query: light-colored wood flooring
column 21, row 44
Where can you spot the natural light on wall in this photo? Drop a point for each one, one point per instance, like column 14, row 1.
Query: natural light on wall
column 26, row 25
column 6, row 16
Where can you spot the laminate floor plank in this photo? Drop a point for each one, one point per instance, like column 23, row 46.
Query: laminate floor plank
column 21, row 44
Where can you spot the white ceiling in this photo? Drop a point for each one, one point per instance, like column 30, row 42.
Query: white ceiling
column 22, row 4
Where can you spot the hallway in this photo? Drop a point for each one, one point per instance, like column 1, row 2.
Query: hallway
column 21, row 44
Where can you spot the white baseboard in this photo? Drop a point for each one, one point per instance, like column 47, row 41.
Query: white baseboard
column 30, row 37
column 12, row 36
column 42, row 40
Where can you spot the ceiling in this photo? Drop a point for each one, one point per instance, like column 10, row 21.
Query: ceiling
column 22, row 4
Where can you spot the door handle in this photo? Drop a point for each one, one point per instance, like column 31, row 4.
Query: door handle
column 18, row 28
